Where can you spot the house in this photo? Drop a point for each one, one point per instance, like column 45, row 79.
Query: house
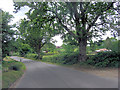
column 102, row 50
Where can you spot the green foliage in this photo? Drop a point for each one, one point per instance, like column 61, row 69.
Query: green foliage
column 7, row 34
column 68, row 48
column 31, row 56
column 10, row 64
column 62, row 58
column 108, row 43
column 115, row 46
column 36, row 29
column 10, row 77
column 49, row 47
column 104, row 59
column 96, row 45
column 76, row 21
column 15, row 54
column 12, row 70
column 16, row 67
column 92, row 45
column 112, row 44
column 24, row 49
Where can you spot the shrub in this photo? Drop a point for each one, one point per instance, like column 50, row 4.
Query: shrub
column 15, row 54
column 12, row 65
column 104, row 59
column 62, row 58
column 31, row 56
column 16, row 67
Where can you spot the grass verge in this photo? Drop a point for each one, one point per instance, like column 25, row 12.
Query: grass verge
column 11, row 71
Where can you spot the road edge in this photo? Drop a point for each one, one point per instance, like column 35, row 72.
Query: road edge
column 15, row 83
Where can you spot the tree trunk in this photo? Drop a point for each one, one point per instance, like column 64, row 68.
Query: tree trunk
column 82, row 50
column 39, row 55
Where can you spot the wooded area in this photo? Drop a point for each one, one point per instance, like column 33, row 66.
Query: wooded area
column 77, row 22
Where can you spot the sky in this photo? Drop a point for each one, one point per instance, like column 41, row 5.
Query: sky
column 7, row 5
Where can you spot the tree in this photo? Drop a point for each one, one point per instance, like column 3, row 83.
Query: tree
column 24, row 49
column 108, row 43
column 36, row 30
column 92, row 46
column 49, row 47
column 115, row 46
column 68, row 48
column 7, row 34
column 111, row 44
column 82, row 20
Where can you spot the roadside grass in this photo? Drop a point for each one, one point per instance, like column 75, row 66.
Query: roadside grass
column 11, row 71
column 10, row 77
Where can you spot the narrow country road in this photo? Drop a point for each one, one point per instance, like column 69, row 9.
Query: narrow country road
column 43, row 75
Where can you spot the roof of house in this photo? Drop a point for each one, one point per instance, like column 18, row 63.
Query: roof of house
column 104, row 49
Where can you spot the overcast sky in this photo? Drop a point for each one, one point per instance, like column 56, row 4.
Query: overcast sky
column 7, row 5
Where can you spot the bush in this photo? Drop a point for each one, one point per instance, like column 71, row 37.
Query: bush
column 15, row 54
column 50, row 53
column 31, row 56
column 71, row 58
column 104, row 59
column 12, row 65
column 16, row 67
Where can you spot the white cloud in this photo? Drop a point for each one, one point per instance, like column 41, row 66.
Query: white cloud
column 7, row 5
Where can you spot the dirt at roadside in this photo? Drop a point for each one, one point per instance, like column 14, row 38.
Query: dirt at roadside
column 112, row 73
column 104, row 72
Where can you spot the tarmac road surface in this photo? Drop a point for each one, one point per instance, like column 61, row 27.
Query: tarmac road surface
column 43, row 75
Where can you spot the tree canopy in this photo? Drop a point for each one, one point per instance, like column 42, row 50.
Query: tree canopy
column 36, row 30
column 7, row 34
column 81, row 20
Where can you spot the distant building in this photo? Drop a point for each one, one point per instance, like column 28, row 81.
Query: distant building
column 102, row 50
